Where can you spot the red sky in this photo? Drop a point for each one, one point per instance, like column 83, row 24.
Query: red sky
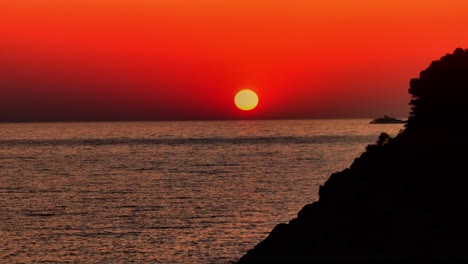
column 79, row 60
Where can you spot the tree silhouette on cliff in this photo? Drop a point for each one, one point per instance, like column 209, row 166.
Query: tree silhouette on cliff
column 404, row 199
column 440, row 94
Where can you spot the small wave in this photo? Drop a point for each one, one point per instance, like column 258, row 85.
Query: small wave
column 183, row 141
column 42, row 214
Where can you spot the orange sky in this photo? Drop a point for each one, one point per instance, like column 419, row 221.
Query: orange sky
column 185, row 59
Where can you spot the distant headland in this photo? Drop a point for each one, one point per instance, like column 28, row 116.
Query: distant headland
column 404, row 199
column 387, row 120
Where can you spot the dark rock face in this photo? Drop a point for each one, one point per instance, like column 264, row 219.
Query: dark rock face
column 404, row 199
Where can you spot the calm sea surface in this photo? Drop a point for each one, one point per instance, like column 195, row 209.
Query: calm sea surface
column 162, row 192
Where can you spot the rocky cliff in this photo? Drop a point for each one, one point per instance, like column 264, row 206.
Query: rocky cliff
column 404, row 199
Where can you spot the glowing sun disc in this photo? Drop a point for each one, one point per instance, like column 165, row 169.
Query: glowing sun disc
column 246, row 100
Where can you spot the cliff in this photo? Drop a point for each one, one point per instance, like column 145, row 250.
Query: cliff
column 404, row 199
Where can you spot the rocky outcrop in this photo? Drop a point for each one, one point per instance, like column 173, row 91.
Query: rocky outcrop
column 404, row 199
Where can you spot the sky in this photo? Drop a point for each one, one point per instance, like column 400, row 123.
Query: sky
column 109, row 60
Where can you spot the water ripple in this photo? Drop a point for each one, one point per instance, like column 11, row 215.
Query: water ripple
column 179, row 141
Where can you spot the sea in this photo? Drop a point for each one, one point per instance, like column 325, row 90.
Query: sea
column 163, row 192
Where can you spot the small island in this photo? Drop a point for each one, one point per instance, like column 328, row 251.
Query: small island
column 387, row 120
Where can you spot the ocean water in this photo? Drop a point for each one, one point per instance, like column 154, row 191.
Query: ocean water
column 162, row 192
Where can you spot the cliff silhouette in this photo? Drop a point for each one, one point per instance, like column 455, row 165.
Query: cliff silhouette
column 404, row 198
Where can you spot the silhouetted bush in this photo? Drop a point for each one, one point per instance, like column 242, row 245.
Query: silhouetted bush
column 383, row 139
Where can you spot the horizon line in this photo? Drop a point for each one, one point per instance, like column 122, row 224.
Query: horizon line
column 186, row 120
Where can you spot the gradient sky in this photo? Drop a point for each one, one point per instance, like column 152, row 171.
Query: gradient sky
column 80, row 60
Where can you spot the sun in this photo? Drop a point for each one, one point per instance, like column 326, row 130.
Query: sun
column 246, row 100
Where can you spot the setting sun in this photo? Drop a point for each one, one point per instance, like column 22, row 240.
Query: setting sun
column 246, row 100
